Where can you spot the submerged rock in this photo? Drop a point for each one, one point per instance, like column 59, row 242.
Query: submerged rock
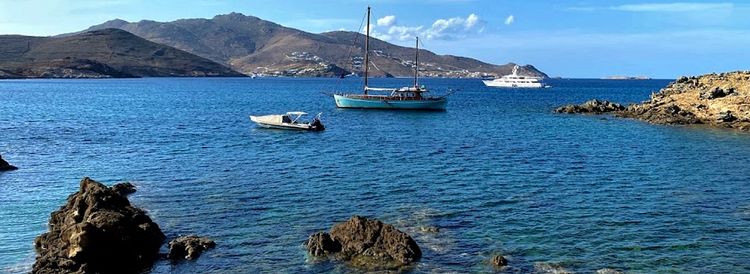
column 189, row 247
column 5, row 166
column 124, row 189
column 367, row 243
column 551, row 268
column 97, row 231
column 608, row 271
column 592, row 106
column 498, row 261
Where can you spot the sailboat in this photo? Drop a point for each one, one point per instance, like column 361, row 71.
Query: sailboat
column 410, row 98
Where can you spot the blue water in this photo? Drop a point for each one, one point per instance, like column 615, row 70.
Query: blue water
column 498, row 172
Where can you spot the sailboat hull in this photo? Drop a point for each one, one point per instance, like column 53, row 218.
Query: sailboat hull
column 383, row 103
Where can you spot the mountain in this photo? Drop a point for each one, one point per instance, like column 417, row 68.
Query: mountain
column 251, row 45
column 105, row 53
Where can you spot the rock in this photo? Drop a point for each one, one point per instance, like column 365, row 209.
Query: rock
column 189, row 247
column 552, row 268
column 716, row 92
column 5, row 166
column 592, row 106
column 97, row 231
column 124, row 189
column 429, row 229
column 608, row 271
column 321, row 244
column 498, row 261
column 726, row 116
column 367, row 243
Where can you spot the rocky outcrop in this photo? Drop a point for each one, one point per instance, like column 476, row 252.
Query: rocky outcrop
column 366, row 243
column 498, row 261
column 124, row 189
column 721, row 100
column 97, row 231
column 592, row 106
column 189, row 247
column 5, row 166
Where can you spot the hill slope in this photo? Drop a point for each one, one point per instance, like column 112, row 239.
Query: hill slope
column 102, row 53
column 252, row 45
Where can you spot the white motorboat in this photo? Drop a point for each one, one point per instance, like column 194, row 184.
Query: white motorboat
column 515, row 81
column 290, row 120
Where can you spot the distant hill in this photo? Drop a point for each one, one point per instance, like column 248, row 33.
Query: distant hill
column 105, row 53
column 251, row 45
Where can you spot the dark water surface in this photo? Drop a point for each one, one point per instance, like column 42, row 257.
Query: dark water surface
column 498, row 172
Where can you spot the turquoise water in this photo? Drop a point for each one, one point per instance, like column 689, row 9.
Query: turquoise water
column 497, row 172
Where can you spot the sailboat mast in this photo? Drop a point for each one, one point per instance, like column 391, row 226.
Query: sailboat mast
column 416, row 64
column 367, row 48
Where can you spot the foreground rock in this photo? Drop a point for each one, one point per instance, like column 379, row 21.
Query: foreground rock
column 592, row 106
column 97, row 231
column 366, row 243
column 5, row 166
column 189, row 247
column 721, row 100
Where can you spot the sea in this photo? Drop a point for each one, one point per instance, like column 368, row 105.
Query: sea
column 496, row 173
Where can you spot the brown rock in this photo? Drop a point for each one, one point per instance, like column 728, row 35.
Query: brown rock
column 189, row 247
column 367, row 243
column 97, row 231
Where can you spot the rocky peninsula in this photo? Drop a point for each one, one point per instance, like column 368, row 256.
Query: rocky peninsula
column 719, row 100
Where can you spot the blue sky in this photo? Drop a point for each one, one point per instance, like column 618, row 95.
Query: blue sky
column 578, row 38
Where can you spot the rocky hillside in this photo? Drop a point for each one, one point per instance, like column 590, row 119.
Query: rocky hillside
column 105, row 53
column 721, row 100
column 251, row 45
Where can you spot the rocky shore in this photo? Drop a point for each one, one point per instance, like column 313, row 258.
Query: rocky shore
column 719, row 100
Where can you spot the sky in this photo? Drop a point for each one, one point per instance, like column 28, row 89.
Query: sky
column 576, row 38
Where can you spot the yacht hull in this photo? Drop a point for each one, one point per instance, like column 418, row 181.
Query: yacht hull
column 378, row 103
column 498, row 84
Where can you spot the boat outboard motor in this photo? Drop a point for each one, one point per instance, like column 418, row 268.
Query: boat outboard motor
column 317, row 125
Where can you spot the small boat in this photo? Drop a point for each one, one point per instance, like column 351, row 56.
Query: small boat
column 514, row 80
column 290, row 120
column 410, row 97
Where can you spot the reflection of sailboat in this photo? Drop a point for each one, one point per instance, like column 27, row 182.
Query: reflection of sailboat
column 390, row 98
column 514, row 80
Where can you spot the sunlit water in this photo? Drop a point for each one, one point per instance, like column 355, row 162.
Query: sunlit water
column 497, row 172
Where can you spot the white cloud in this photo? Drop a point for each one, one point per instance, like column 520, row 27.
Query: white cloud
column 442, row 29
column 387, row 21
column 509, row 20
column 673, row 7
